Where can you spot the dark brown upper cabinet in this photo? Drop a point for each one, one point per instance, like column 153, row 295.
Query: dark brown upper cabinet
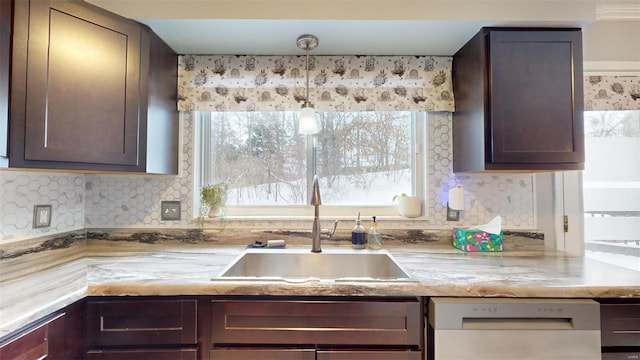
column 90, row 91
column 519, row 101
column 5, row 60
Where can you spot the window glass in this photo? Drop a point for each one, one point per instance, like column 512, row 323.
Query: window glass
column 361, row 158
column 364, row 158
column 260, row 155
column 611, row 187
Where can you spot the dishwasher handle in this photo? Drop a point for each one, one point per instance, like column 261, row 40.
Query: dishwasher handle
column 517, row 324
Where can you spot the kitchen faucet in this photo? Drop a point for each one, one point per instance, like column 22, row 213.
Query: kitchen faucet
column 316, row 202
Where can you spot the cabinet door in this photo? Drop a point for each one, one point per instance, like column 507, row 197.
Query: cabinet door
column 368, row 354
column 536, row 97
column 263, row 354
column 82, row 86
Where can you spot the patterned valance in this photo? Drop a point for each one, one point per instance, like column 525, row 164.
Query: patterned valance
column 612, row 93
column 336, row 83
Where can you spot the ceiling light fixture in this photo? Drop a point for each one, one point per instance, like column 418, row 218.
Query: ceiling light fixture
column 308, row 123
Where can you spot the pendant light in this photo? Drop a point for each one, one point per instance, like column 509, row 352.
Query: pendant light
column 308, row 123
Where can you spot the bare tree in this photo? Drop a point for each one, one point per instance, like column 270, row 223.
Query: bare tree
column 262, row 156
column 612, row 123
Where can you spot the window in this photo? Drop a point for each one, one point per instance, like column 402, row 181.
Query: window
column 362, row 159
column 611, row 187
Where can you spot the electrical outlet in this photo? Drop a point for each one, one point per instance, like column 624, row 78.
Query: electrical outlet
column 41, row 216
column 453, row 215
column 170, row 210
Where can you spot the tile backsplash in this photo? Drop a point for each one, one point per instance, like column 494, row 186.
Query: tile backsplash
column 21, row 191
column 115, row 200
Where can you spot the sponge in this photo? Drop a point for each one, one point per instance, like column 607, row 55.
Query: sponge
column 275, row 243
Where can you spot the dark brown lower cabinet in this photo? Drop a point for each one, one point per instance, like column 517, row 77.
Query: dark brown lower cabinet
column 316, row 328
column 142, row 328
column 56, row 336
column 225, row 328
column 42, row 341
column 620, row 328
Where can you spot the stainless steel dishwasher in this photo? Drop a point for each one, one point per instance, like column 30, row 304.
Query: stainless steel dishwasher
column 507, row 329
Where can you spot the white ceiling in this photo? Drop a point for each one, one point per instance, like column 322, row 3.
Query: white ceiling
column 278, row 37
column 345, row 27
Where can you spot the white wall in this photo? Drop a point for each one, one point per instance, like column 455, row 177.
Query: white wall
column 612, row 41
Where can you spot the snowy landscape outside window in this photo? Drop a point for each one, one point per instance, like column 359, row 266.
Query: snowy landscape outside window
column 611, row 187
column 362, row 159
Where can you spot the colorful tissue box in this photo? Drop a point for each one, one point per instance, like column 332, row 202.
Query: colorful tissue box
column 477, row 240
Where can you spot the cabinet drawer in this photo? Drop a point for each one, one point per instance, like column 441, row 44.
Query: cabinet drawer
column 349, row 322
column 263, row 354
column 621, row 356
column 620, row 324
column 144, row 354
column 32, row 345
column 141, row 322
column 368, row 354
column 41, row 342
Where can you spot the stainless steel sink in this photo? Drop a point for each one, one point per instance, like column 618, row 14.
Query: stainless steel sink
column 300, row 265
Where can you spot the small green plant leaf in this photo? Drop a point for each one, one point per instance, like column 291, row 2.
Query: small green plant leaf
column 396, row 196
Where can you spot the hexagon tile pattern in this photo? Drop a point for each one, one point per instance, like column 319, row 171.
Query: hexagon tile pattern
column 134, row 200
column 20, row 191
column 486, row 195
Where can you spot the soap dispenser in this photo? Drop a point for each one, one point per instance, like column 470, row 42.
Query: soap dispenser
column 375, row 236
column 358, row 235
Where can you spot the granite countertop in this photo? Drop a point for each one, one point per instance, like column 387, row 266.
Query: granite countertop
column 111, row 267
column 438, row 271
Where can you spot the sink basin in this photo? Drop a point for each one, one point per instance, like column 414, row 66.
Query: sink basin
column 301, row 265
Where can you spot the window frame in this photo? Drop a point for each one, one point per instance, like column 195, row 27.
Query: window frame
column 419, row 162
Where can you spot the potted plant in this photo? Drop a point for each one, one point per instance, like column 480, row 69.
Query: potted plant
column 409, row 206
column 215, row 197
